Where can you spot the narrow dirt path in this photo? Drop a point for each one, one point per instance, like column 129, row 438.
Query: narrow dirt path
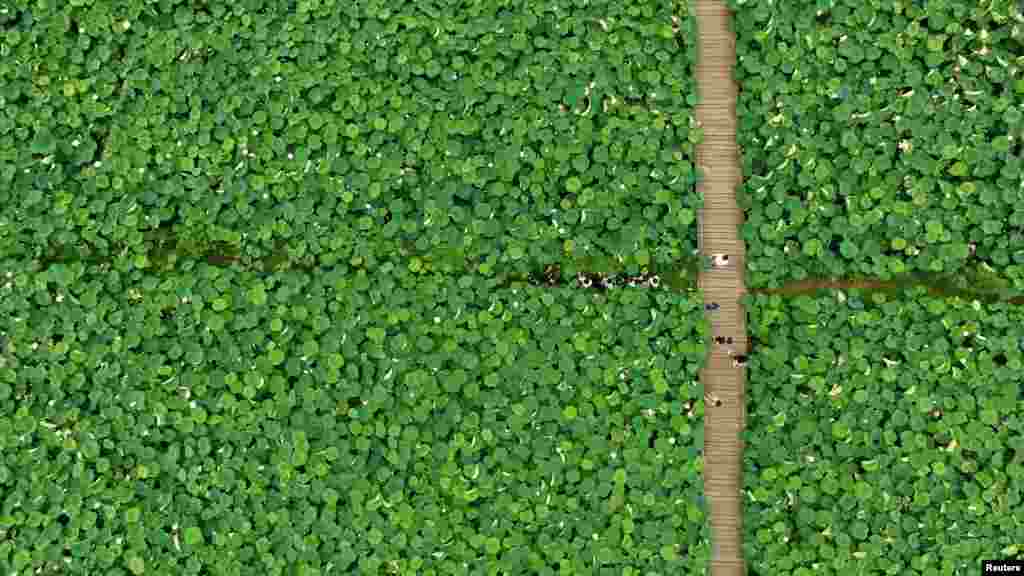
column 718, row 159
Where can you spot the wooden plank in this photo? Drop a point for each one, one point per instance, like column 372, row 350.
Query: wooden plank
column 719, row 224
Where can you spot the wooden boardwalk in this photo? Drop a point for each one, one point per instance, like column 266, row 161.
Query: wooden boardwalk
column 718, row 159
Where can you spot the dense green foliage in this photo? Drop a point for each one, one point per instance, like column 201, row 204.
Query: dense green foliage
column 500, row 134
column 881, row 136
column 290, row 288
column 884, row 436
column 338, row 423
column 882, row 140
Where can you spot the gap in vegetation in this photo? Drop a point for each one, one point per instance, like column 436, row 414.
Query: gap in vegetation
column 166, row 250
column 975, row 283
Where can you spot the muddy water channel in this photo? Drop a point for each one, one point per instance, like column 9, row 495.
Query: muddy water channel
column 975, row 285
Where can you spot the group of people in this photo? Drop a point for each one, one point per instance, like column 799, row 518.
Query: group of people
column 718, row 261
column 614, row 281
column 738, row 360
